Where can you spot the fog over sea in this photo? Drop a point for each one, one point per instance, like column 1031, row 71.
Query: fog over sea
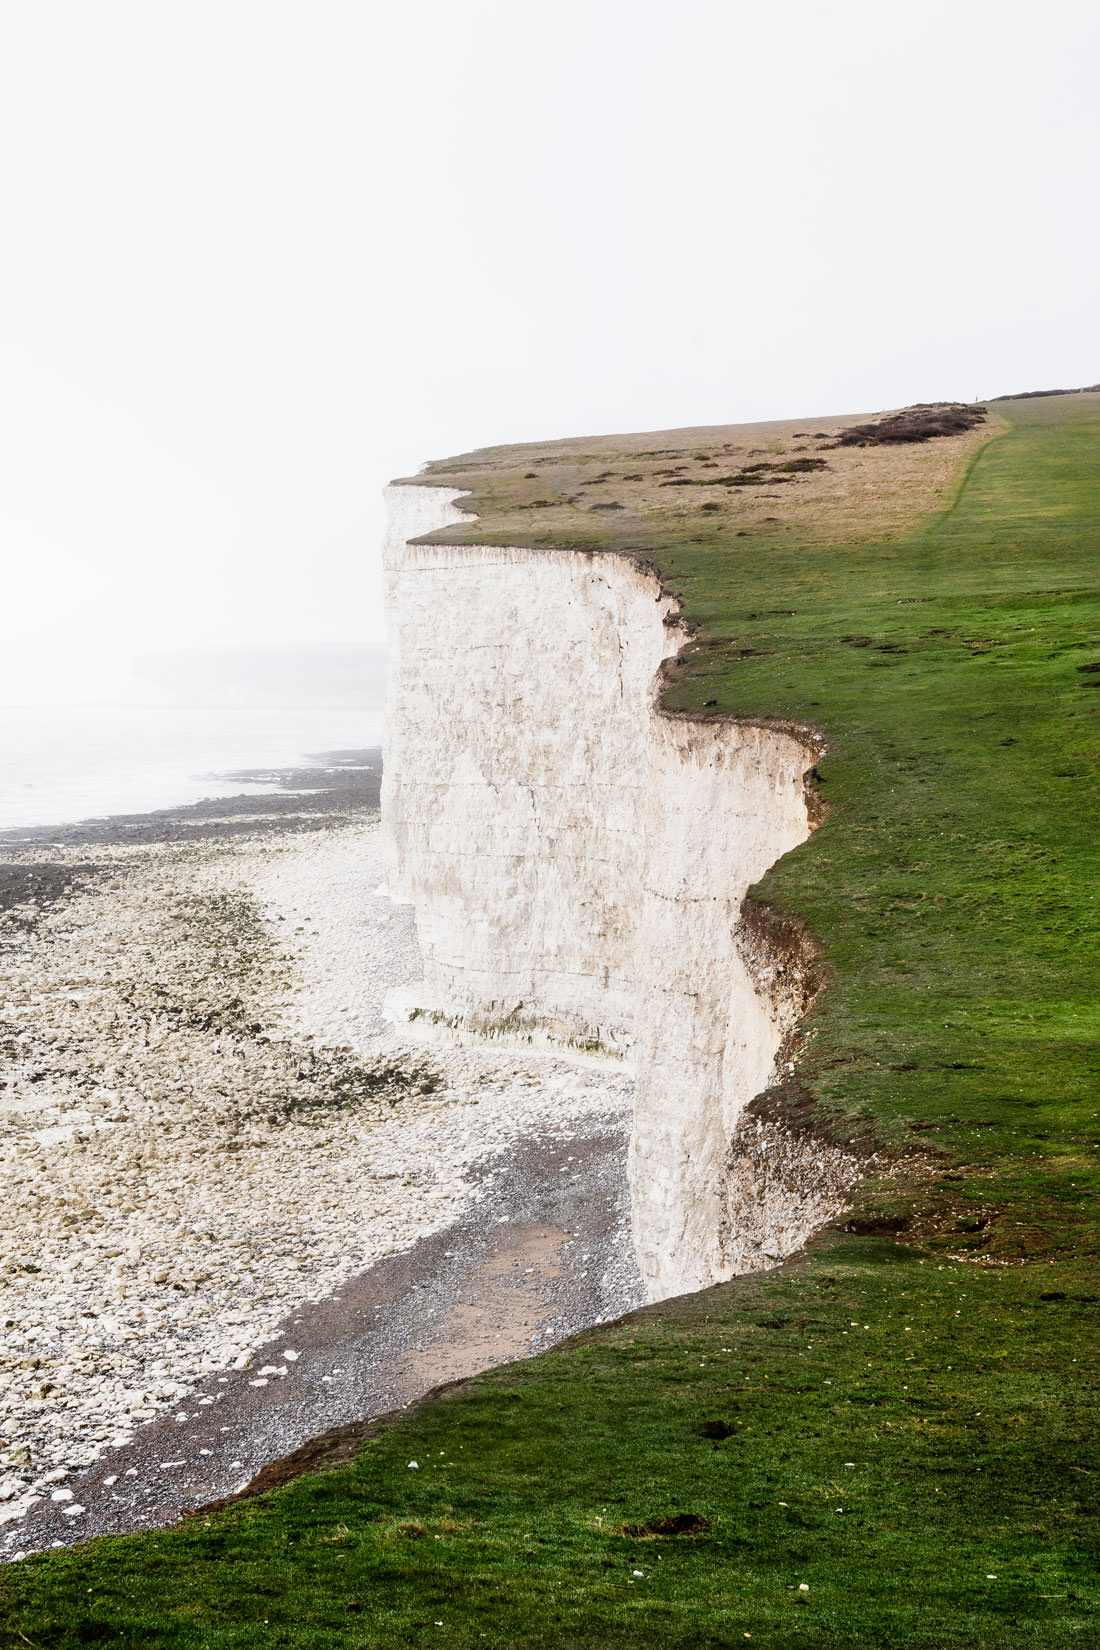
column 63, row 763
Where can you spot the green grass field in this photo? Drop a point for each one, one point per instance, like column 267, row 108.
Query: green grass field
column 888, row 1443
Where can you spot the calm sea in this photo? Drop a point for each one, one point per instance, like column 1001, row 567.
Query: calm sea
column 60, row 764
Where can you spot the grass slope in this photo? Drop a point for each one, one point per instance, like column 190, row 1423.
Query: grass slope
column 889, row 1442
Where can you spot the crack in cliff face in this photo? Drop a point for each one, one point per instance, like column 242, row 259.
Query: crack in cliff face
column 602, row 911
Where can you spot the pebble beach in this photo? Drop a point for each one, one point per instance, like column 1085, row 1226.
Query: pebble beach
column 208, row 1125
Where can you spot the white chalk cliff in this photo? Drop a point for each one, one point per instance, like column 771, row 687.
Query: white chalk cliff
column 578, row 859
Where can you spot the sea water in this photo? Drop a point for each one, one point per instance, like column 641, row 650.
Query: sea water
column 62, row 763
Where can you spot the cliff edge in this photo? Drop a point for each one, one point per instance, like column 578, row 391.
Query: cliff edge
column 578, row 858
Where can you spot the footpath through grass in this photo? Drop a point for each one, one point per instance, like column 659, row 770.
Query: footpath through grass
column 891, row 1441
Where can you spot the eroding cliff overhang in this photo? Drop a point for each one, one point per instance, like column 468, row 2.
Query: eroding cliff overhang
column 578, row 858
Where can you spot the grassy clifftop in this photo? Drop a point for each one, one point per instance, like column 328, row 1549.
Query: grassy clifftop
column 888, row 1442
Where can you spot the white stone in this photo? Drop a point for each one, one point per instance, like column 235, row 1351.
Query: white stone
column 577, row 858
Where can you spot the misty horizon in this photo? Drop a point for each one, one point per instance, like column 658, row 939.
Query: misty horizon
column 224, row 332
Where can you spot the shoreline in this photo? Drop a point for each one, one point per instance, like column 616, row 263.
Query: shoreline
column 348, row 783
column 228, row 1138
column 511, row 1278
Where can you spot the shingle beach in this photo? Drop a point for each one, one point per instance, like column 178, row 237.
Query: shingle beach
column 228, row 1183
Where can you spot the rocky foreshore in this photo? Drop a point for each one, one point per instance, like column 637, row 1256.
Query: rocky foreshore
column 206, row 1121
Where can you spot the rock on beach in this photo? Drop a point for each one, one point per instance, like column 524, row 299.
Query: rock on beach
column 206, row 1120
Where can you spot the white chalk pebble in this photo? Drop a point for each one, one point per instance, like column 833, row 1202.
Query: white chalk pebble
column 74, row 1511
column 414, row 1463
column 203, row 1212
column 803, row 1586
column 258, row 1383
column 61, row 1495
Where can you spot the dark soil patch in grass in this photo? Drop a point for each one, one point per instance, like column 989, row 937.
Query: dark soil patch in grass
column 674, row 1524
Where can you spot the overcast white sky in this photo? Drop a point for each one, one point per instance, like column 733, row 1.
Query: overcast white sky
column 260, row 255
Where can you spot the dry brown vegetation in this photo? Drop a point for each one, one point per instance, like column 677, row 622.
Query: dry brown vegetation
column 928, row 422
column 759, row 479
column 1041, row 395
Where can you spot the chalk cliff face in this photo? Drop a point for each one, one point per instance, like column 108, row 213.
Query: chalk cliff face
column 578, row 859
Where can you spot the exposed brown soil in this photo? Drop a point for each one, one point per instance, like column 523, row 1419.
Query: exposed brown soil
column 677, row 1524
